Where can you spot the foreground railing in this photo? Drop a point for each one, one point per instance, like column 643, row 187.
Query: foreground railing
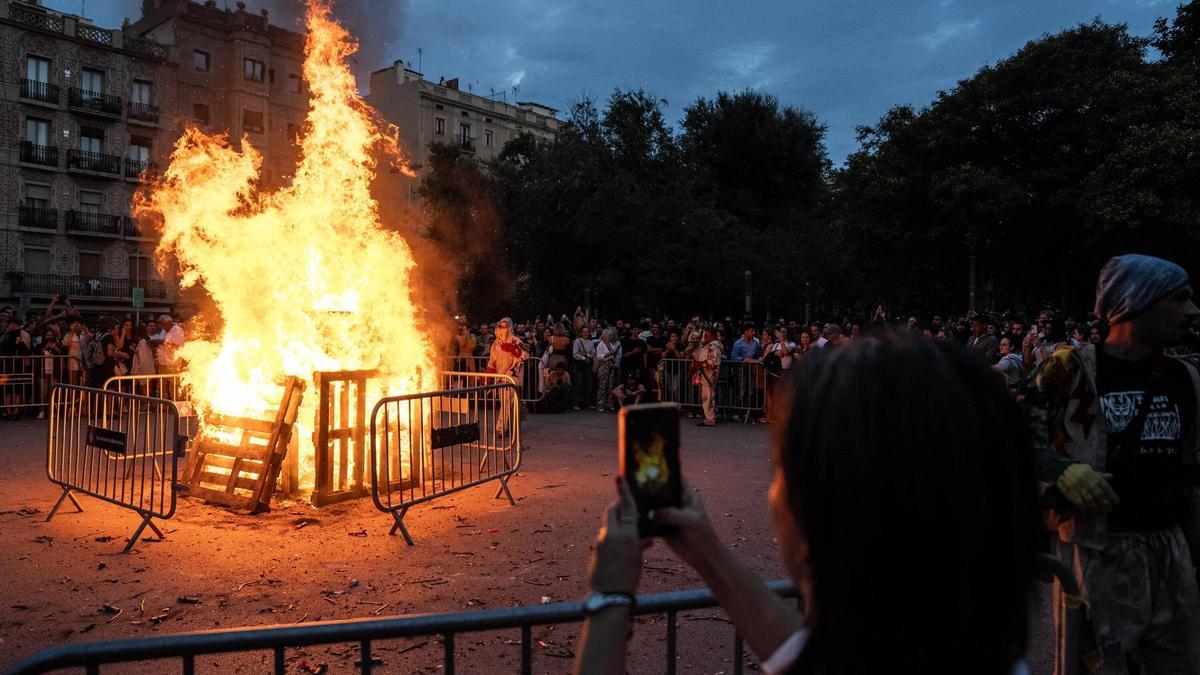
column 365, row 632
column 187, row 646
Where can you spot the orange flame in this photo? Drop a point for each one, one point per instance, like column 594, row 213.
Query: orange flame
column 304, row 278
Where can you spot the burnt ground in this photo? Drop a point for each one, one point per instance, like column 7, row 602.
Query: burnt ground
column 67, row 581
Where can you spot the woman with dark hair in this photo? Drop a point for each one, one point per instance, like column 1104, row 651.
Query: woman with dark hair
column 906, row 507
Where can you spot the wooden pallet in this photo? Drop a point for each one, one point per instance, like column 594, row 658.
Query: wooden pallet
column 243, row 476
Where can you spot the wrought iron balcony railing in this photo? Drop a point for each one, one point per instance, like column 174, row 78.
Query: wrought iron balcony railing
column 36, row 90
column 94, row 102
column 99, row 162
column 32, row 153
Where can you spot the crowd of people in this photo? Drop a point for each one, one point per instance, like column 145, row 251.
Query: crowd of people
column 77, row 350
column 913, row 491
column 727, row 369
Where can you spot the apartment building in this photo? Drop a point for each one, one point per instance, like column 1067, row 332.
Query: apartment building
column 440, row 112
column 81, row 125
column 88, row 113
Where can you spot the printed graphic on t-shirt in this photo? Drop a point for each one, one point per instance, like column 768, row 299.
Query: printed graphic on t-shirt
column 1162, row 426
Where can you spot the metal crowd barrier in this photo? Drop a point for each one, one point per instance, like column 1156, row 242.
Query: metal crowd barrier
column 26, row 381
column 741, row 386
column 365, row 632
column 277, row 639
column 427, row 445
column 532, row 374
column 119, row 448
column 164, row 385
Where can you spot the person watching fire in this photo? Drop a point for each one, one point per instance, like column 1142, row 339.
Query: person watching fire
column 507, row 358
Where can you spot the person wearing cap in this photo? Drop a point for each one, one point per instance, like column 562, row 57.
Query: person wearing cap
column 168, row 341
column 1115, row 428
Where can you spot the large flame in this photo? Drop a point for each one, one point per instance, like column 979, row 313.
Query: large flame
column 304, row 278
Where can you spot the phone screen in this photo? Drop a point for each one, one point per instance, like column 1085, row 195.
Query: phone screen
column 648, row 449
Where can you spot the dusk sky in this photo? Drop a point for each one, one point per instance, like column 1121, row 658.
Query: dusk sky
column 847, row 60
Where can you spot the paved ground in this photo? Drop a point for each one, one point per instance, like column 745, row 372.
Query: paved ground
column 68, row 581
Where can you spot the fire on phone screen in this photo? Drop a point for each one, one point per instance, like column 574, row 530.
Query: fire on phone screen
column 648, row 438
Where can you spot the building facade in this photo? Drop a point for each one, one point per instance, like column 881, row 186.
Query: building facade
column 89, row 113
column 81, row 124
column 439, row 112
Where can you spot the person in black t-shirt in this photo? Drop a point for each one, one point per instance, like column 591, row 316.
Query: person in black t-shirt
column 1115, row 425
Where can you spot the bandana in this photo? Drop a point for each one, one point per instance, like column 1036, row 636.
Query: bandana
column 1130, row 284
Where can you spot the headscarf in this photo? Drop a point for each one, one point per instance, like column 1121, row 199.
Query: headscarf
column 1130, row 284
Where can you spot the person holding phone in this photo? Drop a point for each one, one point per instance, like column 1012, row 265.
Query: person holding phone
column 906, row 562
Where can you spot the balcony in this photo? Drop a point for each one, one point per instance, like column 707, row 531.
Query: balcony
column 143, row 112
column 466, row 144
column 132, row 231
column 36, row 90
column 84, row 286
column 42, row 155
column 36, row 17
column 93, row 102
column 41, row 217
column 93, row 162
column 146, row 48
column 139, row 169
column 89, row 222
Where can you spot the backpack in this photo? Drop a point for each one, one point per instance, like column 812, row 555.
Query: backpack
column 93, row 352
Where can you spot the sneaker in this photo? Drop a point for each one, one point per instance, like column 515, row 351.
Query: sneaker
column 41, row 414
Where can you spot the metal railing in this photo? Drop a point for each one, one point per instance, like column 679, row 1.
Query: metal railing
column 94, row 102
column 43, row 155
column 529, row 380
column 740, row 387
column 94, row 222
column 365, row 632
column 160, row 385
column 119, row 448
column 85, row 286
column 26, row 381
column 42, row 217
column 36, row 90
column 99, row 162
column 427, row 445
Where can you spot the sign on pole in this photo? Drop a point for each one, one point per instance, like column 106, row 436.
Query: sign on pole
column 139, row 297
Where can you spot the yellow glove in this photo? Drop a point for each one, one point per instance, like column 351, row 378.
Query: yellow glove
column 1087, row 488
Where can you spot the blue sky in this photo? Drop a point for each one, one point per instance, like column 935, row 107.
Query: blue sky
column 845, row 60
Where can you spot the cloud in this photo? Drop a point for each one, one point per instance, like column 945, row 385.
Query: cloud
column 947, row 31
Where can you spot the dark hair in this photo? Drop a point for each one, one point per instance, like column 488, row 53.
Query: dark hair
column 908, row 469
column 749, row 325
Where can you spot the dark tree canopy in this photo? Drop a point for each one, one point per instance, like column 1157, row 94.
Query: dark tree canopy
column 1081, row 145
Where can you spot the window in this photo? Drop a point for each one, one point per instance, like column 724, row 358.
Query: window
column 139, row 149
column 141, row 92
column 439, row 125
column 271, row 76
column 252, row 120
column 200, row 112
column 200, row 60
column 37, row 69
column 464, row 134
column 89, row 201
column 37, row 261
column 292, row 135
column 252, row 70
column 89, row 265
column 487, row 137
column 466, row 114
column 93, row 82
column 37, row 195
column 141, row 269
column 37, row 131
column 294, row 84
column 91, row 139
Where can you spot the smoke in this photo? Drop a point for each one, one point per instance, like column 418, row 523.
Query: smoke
column 376, row 24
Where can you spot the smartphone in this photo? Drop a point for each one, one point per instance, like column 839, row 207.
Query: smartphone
column 648, row 458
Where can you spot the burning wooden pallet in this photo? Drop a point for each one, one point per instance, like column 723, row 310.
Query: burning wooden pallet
column 243, row 474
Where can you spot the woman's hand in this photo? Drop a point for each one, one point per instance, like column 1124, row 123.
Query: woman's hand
column 617, row 560
column 695, row 540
